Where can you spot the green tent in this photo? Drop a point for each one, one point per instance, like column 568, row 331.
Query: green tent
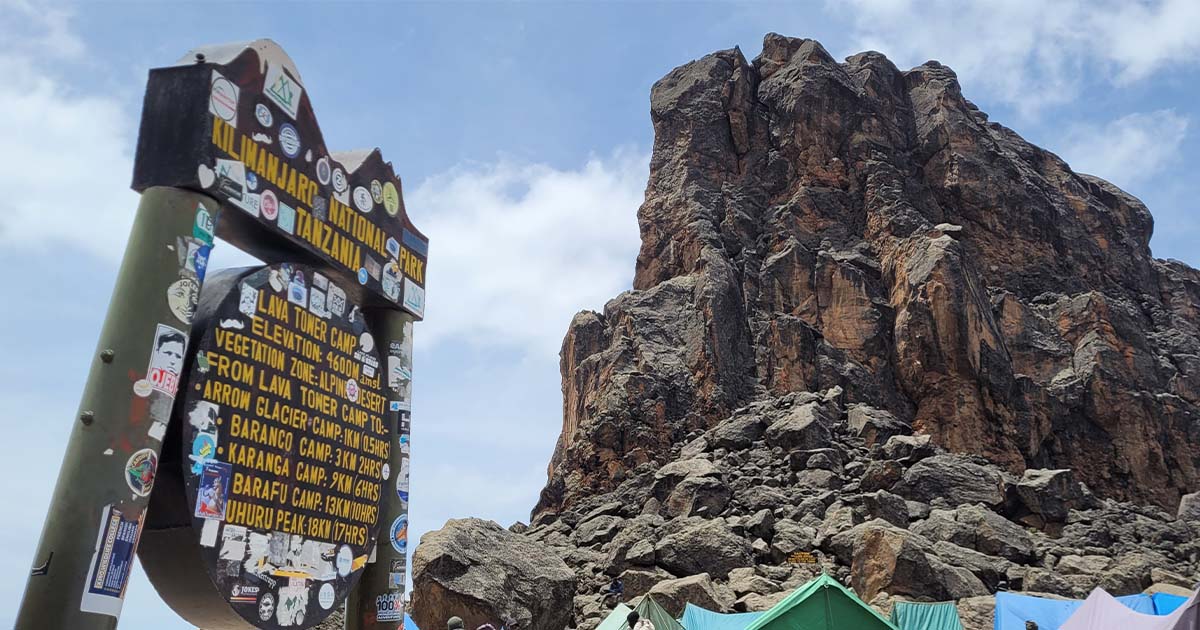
column 922, row 616
column 822, row 604
column 662, row 620
column 615, row 619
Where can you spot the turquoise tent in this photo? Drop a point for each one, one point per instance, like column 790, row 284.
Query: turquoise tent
column 697, row 618
column 822, row 604
column 922, row 616
column 615, row 619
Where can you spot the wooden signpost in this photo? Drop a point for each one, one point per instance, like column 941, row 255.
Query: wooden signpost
column 247, row 436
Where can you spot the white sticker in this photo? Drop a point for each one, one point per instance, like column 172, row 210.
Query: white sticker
column 166, row 359
column 263, row 114
column 339, row 180
column 387, row 471
column 249, row 300
column 362, row 199
column 205, row 175
column 325, row 596
column 289, row 140
column 223, row 99
column 283, row 90
column 157, row 430
column 323, row 171
column 208, row 533
column 414, row 297
column 344, row 559
column 142, row 388
column 367, row 342
column 182, row 297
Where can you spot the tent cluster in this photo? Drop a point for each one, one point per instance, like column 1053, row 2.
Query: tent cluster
column 824, row 604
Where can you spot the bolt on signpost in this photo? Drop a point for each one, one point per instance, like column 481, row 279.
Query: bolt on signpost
column 247, row 436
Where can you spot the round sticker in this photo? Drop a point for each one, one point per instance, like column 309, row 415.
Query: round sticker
column 224, row 99
column 391, row 198
column 362, row 199
column 139, row 471
column 289, row 140
column 339, row 180
column 345, row 558
column 376, row 191
column 362, row 275
column 323, row 171
column 352, row 390
column 142, row 388
column 182, row 296
column 367, row 341
column 266, row 606
column 263, row 114
column 269, row 205
column 251, row 181
column 325, row 596
column 387, row 471
column 400, row 534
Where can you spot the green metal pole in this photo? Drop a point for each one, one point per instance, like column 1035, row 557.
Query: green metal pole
column 376, row 603
column 89, row 539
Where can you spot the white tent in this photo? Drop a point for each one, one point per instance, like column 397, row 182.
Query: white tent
column 1102, row 611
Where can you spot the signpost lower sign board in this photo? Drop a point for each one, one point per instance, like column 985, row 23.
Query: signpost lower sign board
column 276, row 455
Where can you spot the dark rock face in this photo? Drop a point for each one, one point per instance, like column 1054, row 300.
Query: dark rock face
column 481, row 572
column 871, row 329
column 811, row 223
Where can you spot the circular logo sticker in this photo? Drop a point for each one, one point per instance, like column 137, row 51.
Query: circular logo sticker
column 182, row 296
column 400, row 534
column 352, row 390
column 387, row 471
column 251, row 181
column 289, row 140
column 391, row 198
column 339, row 180
column 362, row 199
column 323, row 171
column 263, row 114
column 269, row 205
column 266, row 606
column 345, row 558
column 367, row 342
column 139, row 471
column 362, row 275
column 376, row 191
column 325, row 596
column 224, row 99
column 142, row 388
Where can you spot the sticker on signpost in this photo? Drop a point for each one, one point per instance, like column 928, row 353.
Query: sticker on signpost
column 112, row 560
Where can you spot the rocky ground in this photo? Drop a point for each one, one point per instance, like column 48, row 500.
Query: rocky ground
column 867, row 323
column 882, row 509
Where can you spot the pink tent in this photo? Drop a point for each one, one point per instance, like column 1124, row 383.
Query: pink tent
column 1102, row 611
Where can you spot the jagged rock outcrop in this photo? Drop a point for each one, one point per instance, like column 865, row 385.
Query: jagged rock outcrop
column 874, row 334
column 811, row 223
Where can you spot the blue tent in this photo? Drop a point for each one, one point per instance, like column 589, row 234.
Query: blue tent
column 1013, row 610
column 1166, row 603
column 697, row 618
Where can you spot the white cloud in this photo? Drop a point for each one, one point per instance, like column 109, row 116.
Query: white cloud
column 66, row 164
column 1129, row 150
column 517, row 249
column 1030, row 53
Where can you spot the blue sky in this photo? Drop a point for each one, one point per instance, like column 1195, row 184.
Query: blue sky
column 522, row 134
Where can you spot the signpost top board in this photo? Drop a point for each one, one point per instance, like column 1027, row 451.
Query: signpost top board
column 235, row 122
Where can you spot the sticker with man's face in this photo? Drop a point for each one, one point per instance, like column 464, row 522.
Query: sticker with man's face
column 166, row 359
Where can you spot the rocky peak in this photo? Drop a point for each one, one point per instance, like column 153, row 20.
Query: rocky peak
column 810, row 225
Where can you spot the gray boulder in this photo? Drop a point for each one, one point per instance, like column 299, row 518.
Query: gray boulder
column 702, row 546
column 698, row 495
column 976, row 527
column 1052, row 494
column 1189, row 508
column 955, row 479
column 873, row 425
column 666, row 478
column 484, row 573
column 698, row 589
column 738, row 432
column 805, row 428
